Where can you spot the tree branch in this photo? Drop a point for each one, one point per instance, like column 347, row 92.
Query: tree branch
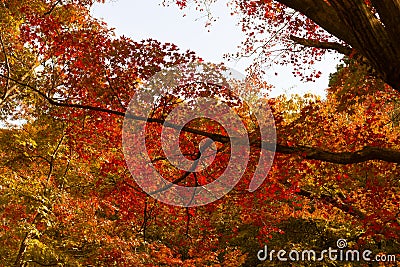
column 327, row 199
column 324, row 15
column 345, row 50
column 365, row 154
column 52, row 8
column 43, row 264
column 375, row 36
column 7, row 63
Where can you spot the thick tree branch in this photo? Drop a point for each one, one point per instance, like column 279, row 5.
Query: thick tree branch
column 339, row 204
column 389, row 14
column 375, row 36
column 52, row 8
column 365, row 154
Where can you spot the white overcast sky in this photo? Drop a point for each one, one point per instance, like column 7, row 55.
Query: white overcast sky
column 143, row 19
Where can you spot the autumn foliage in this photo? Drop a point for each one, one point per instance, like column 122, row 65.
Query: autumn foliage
column 68, row 199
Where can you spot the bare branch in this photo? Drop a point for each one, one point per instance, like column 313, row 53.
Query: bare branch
column 345, row 50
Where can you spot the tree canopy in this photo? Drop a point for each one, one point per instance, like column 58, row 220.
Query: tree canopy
column 68, row 196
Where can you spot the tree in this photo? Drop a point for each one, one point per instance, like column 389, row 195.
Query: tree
column 69, row 199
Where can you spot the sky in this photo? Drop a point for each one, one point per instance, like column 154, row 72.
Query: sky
column 143, row 19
